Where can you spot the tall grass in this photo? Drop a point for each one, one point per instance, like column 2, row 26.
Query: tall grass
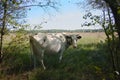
column 89, row 61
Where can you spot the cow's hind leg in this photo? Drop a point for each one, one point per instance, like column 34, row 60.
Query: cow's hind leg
column 42, row 61
column 43, row 64
column 32, row 56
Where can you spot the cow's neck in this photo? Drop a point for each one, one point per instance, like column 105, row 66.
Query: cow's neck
column 68, row 42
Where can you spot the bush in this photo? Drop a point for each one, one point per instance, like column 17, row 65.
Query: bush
column 17, row 54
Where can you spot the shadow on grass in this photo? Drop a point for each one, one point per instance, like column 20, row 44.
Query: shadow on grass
column 87, row 62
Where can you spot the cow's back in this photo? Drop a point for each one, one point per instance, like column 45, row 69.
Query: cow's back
column 51, row 42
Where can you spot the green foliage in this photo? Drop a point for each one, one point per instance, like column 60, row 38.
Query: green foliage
column 16, row 54
column 111, row 30
column 93, row 19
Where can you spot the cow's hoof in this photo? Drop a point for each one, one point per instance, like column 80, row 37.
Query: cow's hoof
column 44, row 68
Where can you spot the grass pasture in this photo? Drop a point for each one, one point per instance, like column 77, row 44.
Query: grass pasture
column 89, row 61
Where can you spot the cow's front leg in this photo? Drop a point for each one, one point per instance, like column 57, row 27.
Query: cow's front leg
column 42, row 59
column 61, row 55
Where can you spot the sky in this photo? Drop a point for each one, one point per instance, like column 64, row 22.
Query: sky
column 68, row 16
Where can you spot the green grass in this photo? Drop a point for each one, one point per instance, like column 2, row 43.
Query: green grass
column 89, row 61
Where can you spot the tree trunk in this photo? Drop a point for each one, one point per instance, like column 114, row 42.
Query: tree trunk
column 117, row 19
column 115, row 8
column 117, row 22
column 2, row 30
column 114, row 5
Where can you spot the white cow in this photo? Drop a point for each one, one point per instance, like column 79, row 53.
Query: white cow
column 51, row 43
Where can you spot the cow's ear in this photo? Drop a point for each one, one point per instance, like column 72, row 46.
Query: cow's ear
column 78, row 36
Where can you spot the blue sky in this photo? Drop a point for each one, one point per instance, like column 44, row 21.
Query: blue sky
column 69, row 16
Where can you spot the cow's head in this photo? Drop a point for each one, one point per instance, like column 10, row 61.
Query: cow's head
column 72, row 39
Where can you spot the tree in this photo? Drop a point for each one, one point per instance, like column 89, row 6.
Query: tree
column 110, row 24
column 114, row 5
column 11, row 11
